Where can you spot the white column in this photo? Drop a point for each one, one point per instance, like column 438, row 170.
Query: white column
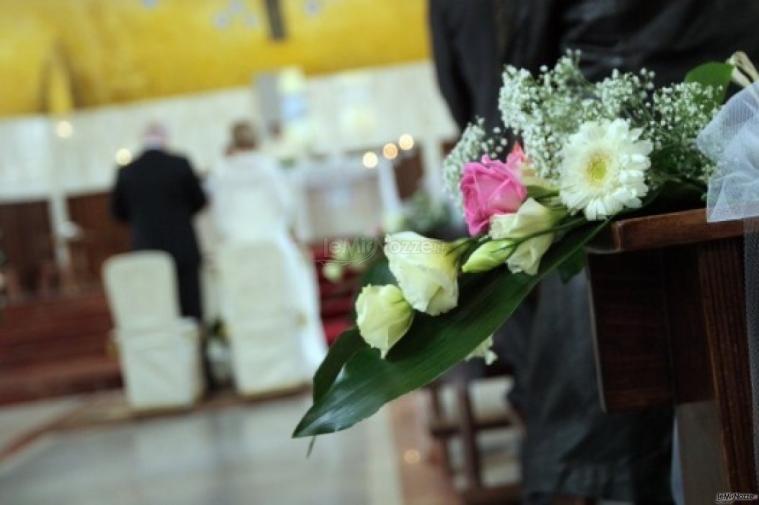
column 391, row 201
column 57, row 209
column 432, row 158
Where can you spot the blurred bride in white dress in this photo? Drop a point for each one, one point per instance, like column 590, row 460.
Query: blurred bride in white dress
column 268, row 283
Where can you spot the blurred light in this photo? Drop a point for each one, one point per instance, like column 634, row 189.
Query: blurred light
column 390, row 151
column 370, row 160
column 123, row 156
column 412, row 456
column 406, row 142
column 64, row 129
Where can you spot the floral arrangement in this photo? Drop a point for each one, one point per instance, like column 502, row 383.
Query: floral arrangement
column 589, row 152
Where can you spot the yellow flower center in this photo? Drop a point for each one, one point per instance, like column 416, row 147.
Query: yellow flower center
column 597, row 168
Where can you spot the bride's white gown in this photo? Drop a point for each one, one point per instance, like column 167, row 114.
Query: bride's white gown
column 268, row 289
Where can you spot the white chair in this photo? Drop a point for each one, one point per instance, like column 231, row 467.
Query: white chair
column 159, row 351
column 265, row 294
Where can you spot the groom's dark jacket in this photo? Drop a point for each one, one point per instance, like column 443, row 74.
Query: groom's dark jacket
column 158, row 194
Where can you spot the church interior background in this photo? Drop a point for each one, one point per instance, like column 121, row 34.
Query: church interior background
column 343, row 91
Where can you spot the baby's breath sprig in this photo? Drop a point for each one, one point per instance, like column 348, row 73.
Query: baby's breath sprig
column 544, row 110
column 678, row 114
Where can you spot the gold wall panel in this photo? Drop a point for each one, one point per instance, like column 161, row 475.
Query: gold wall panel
column 122, row 50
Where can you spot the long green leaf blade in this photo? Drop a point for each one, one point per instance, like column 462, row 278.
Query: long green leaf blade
column 347, row 344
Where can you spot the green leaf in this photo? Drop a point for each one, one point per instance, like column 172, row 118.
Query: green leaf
column 346, row 345
column 714, row 74
column 572, row 266
column 432, row 346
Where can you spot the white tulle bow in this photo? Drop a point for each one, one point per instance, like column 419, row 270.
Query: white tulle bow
column 731, row 140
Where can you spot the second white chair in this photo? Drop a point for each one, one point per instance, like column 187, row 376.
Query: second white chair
column 264, row 294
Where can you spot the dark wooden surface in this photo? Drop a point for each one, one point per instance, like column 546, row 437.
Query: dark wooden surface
column 25, row 239
column 56, row 346
column 102, row 237
column 688, row 351
column 721, row 271
column 631, row 322
column 663, row 230
column 409, row 173
column 670, row 327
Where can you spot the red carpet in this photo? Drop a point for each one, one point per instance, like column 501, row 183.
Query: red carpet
column 336, row 299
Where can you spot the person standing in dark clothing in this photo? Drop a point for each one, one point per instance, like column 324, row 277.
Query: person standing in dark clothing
column 468, row 44
column 157, row 195
column 572, row 447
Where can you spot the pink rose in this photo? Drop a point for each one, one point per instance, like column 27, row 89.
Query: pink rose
column 491, row 187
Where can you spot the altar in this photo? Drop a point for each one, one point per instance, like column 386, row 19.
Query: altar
column 339, row 197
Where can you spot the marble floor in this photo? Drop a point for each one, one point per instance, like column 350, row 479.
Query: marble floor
column 239, row 454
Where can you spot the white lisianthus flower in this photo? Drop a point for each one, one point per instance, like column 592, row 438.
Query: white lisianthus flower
column 484, row 351
column 383, row 316
column 426, row 271
column 531, row 219
column 603, row 169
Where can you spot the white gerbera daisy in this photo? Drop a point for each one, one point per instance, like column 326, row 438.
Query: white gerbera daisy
column 603, row 169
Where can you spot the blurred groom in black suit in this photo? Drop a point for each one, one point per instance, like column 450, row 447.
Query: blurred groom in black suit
column 157, row 195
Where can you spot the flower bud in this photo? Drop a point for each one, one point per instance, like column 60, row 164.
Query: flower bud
column 744, row 72
column 488, row 256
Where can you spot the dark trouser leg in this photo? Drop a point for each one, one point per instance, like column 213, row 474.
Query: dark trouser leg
column 188, row 284
column 188, row 279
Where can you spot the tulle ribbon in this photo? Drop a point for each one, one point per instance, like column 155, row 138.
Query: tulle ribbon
column 731, row 141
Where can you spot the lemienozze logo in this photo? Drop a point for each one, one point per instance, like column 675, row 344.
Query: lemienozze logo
column 725, row 498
